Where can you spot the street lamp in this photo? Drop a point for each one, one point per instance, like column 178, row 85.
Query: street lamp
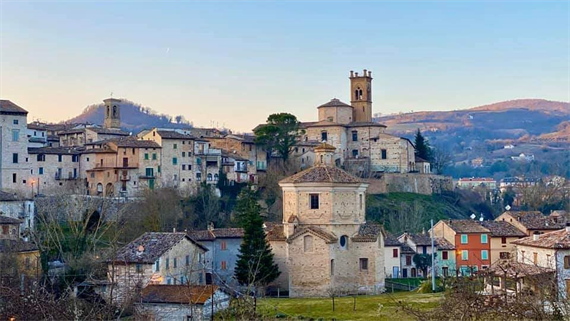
column 32, row 181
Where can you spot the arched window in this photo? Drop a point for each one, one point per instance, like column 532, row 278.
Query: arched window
column 216, row 177
column 359, row 93
column 308, row 243
column 99, row 188
column 343, row 242
column 332, row 267
column 114, row 111
column 108, row 111
column 209, row 177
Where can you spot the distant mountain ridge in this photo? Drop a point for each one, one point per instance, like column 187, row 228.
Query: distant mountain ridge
column 134, row 117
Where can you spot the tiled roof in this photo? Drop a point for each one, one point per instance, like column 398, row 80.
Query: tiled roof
column 334, row 103
column 274, row 232
column 54, row 150
column 365, row 124
column 466, row 226
column 391, row 240
column 133, row 142
column 551, row 240
column 420, row 160
column 108, row 131
column 171, row 134
column 220, row 233
column 326, row 235
column 11, row 246
column 420, row 239
column 154, row 244
column 443, row 244
column 9, row 220
column 368, row 232
column 502, row 228
column 514, row 269
column 8, row 107
column 406, row 249
column 535, row 220
column 202, row 235
column 322, row 174
column 179, row 294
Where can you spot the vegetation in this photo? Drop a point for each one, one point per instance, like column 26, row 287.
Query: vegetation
column 279, row 134
column 423, row 149
column 255, row 265
column 377, row 307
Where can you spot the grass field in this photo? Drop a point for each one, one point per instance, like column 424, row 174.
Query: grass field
column 374, row 307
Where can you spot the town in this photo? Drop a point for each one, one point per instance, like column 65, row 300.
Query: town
column 66, row 181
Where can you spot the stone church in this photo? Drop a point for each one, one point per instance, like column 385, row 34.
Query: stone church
column 324, row 243
column 362, row 146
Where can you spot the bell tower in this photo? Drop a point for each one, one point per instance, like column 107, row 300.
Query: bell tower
column 361, row 96
column 112, row 113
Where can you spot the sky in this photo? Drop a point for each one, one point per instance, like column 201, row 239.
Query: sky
column 233, row 63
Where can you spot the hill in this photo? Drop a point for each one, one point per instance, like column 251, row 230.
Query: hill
column 134, row 117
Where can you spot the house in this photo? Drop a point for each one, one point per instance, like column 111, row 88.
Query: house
column 223, row 246
column 23, row 209
column 523, row 158
column 445, row 260
column 16, row 255
column 324, row 242
column 472, row 182
column 517, row 183
column 471, row 240
column 181, row 302
column 155, row 258
column 422, row 166
column 408, row 267
column 392, row 249
column 419, row 243
column 54, row 169
column 502, row 235
column 532, row 221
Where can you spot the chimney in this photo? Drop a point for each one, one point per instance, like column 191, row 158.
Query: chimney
column 536, row 236
column 351, row 73
column 370, row 74
column 568, row 227
column 174, row 230
column 211, row 226
column 365, row 73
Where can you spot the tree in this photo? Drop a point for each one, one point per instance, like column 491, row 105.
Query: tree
column 280, row 133
column 440, row 158
column 422, row 262
column 255, row 266
column 423, row 150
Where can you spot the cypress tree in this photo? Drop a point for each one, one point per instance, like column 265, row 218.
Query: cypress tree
column 423, row 150
column 255, row 265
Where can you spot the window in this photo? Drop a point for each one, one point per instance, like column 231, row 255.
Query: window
column 16, row 122
column 503, row 240
column 15, row 135
column 363, row 264
column 484, row 239
column 484, row 255
column 464, row 255
column 324, row 136
column 504, row 255
column 209, row 177
column 167, row 263
column 408, row 260
column 187, row 260
column 15, row 158
column 146, row 156
column 464, row 239
column 175, row 146
column 198, row 176
column 60, row 158
column 535, row 258
column 183, row 154
column 384, row 154
column 354, row 136
column 153, row 156
column 394, row 252
column 42, row 158
column 157, row 266
column 14, row 177
column 424, row 249
column 223, row 246
column 314, row 201
column 444, row 255
column 174, row 160
column 445, row 271
column 332, row 267
column 224, row 265
column 308, row 243
column 168, row 280
column 355, row 153
column 174, row 261
column 74, row 158
column 360, row 197
column 343, row 241
column 41, row 170
column 139, row 268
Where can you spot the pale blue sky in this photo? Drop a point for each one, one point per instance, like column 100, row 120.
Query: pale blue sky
column 235, row 63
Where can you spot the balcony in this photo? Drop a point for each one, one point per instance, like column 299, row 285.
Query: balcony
column 147, row 176
column 125, row 177
column 61, row 177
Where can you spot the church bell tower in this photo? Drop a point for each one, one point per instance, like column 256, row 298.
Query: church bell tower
column 112, row 113
column 361, row 96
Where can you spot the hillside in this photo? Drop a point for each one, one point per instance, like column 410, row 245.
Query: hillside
column 134, row 117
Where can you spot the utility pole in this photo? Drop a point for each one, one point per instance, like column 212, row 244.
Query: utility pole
column 432, row 259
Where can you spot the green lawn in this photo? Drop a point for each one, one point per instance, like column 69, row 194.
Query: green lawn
column 376, row 307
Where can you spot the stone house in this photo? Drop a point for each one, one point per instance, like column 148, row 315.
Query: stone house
column 154, row 258
column 181, row 302
column 408, row 267
column 502, row 235
column 55, row 168
column 392, row 251
column 473, row 182
column 14, row 165
column 236, row 169
column 13, row 249
column 37, row 135
column 324, row 243
column 23, row 209
column 532, row 221
column 471, row 240
column 420, row 243
column 223, row 246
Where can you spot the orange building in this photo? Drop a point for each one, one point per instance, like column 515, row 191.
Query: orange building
column 471, row 240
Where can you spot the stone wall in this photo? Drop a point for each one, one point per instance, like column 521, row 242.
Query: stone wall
column 426, row 184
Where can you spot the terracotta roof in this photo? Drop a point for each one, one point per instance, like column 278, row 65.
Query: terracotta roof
column 334, row 103
column 391, row 240
column 551, row 240
column 502, row 228
column 9, row 220
column 365, row 124
column 180, row 294
column 132, row 142
column 54, row 150
column 368, row 232
column 322, row 174
column 514, row 269
column 443, row 244
column 11, row 246
column 154, row 244
column 535, row 220
column 420, row 239
column 202, row 235
column 274, row 232
column 466, row 226
column 325, row 235
column 171, row 134
column 8, row 107
column 406, row 249
column 108, row 131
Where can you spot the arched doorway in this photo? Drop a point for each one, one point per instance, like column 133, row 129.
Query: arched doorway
column 109, row 190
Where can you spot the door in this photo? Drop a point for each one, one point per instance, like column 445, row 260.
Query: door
column 151, row 183
column 567, row 289
column 125, row 162
column 414, row 273
column 404, row 273
column 395, row 271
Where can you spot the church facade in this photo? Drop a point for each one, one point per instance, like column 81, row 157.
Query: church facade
column 362, row 146
column 324, row 245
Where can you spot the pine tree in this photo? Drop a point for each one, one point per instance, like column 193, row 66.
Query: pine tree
column 423, row 150
column 255, row 265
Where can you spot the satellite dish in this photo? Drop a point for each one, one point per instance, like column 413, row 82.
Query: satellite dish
column 508, row 207
column 481, row 219
column 473, row 216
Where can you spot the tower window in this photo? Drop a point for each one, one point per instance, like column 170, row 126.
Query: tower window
column 355, row 153
column 308, row 243
column 324, row 136
column 343, row 241
column 384, row 154
column 354, row 136
column 314, row 201
column 363, row 264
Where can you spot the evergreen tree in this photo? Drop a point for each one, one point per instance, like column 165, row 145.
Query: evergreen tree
column 279, row 134
column 255, row 265
column 423, row 150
